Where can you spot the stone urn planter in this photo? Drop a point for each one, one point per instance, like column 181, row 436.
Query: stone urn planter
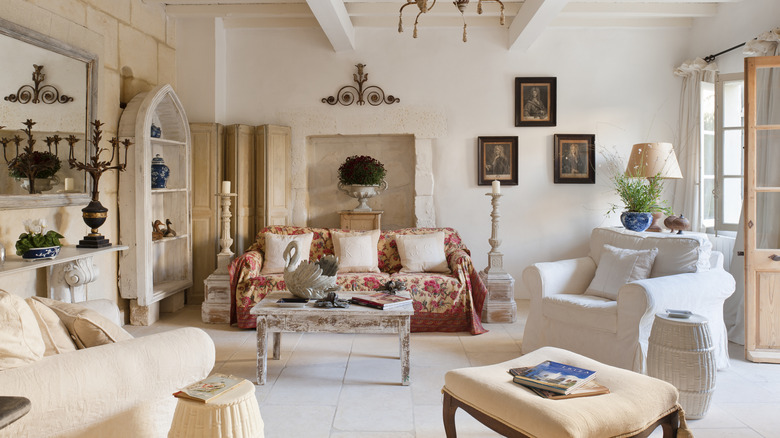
column 362, row 193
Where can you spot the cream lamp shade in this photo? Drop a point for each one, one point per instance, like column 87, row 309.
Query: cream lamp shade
column 649, row 160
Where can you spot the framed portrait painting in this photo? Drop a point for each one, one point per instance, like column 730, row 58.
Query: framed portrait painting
column 535, row 102
column 574, row 156
column 497, row 158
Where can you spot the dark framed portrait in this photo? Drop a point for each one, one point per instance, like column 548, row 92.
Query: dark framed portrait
column 535, row 102
column 497, row 158
column 574, row 156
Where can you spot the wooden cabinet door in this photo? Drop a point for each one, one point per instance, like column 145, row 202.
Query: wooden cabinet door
column 274, row 155
column 762, row 209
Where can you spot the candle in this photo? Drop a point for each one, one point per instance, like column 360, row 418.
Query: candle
column 68, row 184
column 496, row 187
column 225, row 186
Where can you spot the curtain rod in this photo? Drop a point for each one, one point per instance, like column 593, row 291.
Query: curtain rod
column 711, row 58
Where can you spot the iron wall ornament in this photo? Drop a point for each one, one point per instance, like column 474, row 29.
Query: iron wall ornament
column 348, row 94
column 47, row 94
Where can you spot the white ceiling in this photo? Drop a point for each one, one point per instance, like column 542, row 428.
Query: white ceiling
column 525, row 20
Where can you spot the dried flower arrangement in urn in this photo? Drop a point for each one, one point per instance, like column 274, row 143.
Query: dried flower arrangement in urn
column 362, row 177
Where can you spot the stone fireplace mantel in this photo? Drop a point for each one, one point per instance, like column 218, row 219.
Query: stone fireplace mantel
column 425, row 124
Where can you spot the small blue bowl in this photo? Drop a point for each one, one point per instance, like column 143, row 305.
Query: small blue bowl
column 48, row 252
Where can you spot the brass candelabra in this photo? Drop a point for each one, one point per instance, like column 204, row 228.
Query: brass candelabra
column 32, row 164
column 95, row 213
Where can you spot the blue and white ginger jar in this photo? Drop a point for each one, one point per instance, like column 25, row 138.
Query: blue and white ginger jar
column 636, row 221
column 160, row 173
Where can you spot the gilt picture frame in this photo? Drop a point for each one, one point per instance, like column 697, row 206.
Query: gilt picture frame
column 497, row 160
column 536, row 102
column 574, row 158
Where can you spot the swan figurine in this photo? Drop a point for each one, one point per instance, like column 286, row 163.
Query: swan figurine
column 305, row 279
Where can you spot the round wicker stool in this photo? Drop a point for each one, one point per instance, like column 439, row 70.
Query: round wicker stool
column 234, row 414
column 680, row 351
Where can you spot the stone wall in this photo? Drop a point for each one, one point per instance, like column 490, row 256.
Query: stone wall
column 132, row 39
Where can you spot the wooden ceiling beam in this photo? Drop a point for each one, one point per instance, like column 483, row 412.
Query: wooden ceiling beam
column 531, row 20
column 334, row 21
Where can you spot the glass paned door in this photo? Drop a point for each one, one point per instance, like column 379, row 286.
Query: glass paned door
column 762, row 209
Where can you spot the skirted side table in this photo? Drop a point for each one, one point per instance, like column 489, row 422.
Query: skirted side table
column 680, row 351
column 234, row 414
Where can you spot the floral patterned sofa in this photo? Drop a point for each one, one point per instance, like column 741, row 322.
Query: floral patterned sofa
column 442, row 302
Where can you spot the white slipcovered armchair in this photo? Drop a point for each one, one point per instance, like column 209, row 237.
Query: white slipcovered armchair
column 686, row 274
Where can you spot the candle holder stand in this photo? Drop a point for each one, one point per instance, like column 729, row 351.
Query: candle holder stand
column 216, row 306
column 500, row 303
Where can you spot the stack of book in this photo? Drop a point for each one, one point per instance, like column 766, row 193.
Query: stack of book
column 380, row 300
column 209, row 388
column 556, row 380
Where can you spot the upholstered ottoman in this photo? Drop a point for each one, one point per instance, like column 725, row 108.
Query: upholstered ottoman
column 635, row 406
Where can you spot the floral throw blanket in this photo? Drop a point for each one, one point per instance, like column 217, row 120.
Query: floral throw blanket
column 442, row 302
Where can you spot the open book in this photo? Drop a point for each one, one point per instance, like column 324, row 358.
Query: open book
column 209, row 388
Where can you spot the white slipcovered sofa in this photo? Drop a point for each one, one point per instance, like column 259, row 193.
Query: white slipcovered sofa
column 564, row 312
column 120, row 389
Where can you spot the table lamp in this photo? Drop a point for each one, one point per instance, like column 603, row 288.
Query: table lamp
column 653, row 160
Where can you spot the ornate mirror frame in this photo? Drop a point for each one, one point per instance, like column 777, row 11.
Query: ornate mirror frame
column 12, row 30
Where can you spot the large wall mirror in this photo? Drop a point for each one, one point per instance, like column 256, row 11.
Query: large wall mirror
column 54, row 85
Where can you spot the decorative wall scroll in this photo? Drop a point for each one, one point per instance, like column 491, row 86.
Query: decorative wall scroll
column 47, row 94
column 348, row 94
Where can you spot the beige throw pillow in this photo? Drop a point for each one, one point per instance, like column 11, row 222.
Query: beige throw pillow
column 20, row 337
column 275, row 244
column 422, row 252
column 87, row 327
column 619, row 266
column 357, row 251
column 55, row 334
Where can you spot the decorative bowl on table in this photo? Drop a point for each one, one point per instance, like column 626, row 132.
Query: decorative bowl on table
column 48, row 252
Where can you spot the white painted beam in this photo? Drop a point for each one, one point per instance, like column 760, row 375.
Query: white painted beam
column 531, row 20
column 334, row 21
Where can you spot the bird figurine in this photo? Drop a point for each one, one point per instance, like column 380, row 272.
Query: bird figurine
column 307, row 279
column 677, row 223
column 169, row 232
column 158, row 230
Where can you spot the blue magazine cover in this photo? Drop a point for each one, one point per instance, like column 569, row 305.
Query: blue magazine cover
column 553, row 376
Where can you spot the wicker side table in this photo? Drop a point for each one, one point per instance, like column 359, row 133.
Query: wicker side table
column 680, row 351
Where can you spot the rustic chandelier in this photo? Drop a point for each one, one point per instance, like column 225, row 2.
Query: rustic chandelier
column 460, row 4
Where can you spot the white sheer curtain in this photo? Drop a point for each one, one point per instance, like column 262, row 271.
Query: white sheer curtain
column 686, row 191
column 769, row 108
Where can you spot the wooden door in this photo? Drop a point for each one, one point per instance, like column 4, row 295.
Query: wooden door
column 274, row 155
column 762, row 209
column 240, row 153
column 207, row 170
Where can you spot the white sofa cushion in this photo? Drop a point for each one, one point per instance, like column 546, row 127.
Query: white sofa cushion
column 582, row 310
column 275, row 244
column 422, row 252
column 619, row 266
column 55, row 334
column 87, row 327
column 356, row 251
column 21, row 342
column 677, row 253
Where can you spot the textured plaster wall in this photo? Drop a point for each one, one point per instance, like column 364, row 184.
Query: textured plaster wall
column 325, row 155
column 127, row 34
column 615, row 83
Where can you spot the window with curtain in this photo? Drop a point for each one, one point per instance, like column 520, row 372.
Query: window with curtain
column 722, row 151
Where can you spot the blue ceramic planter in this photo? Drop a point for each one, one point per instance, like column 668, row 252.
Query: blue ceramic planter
column 160, row 173
column 636, row 221
column 41, row 253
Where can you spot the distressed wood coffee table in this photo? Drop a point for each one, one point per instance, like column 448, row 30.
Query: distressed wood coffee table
column 271, row 318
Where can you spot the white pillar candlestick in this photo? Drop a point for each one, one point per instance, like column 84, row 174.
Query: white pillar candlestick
column 496, row 187
column 225, row 187
column 68, row 184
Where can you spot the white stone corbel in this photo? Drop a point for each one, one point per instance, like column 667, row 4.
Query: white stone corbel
column 68, row 281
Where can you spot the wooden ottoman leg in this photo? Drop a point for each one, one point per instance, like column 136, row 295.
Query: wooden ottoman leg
column 448, row 413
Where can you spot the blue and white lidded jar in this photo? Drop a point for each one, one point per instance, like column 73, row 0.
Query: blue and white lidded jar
column 160, row 173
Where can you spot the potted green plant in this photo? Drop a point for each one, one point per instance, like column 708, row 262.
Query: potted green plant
column 362, row 177
column 37, row 242
column 37, row 166
column 639, row 196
